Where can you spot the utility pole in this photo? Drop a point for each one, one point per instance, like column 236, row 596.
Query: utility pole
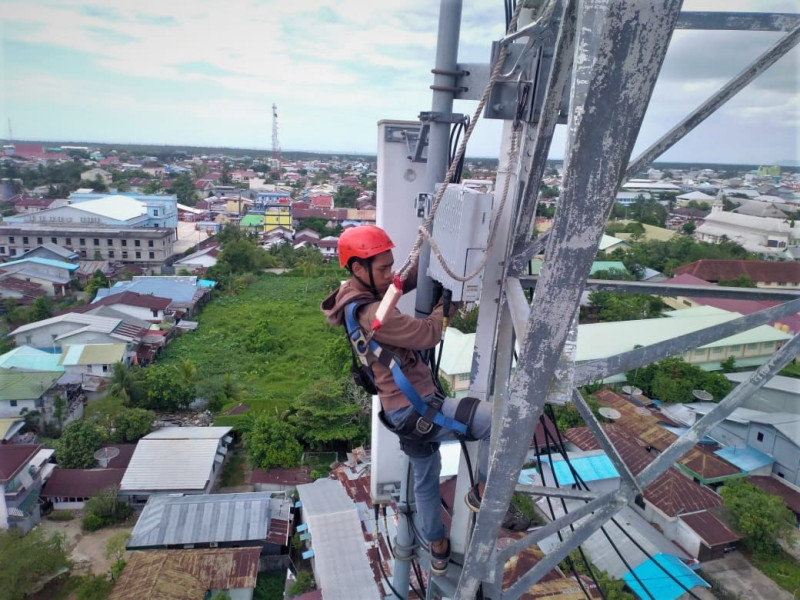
column 276, row 147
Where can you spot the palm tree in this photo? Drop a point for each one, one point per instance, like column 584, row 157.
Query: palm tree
column 123, row 384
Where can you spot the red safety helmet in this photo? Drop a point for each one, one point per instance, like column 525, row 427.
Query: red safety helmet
column 363, row 242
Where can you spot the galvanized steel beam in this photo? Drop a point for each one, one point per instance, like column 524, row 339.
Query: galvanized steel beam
column 728, row 91
column 618, row 57
column 624, row 362
column 740, row 21
column 717, row 414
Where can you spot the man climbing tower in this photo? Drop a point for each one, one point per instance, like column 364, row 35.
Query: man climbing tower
column 413, row 406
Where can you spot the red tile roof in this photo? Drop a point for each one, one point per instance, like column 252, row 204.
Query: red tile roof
column 13, row 457
column 756, row 270
column 80, row 483
column 322, row 201
column 710, row 529
column 776, row 487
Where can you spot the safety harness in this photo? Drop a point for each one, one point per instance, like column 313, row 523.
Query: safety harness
column 369, row 352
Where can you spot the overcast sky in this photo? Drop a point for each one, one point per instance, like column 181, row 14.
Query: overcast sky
column 206, row 72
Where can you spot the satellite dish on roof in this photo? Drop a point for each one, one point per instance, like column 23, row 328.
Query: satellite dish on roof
column 630, row 390
column 702, row 395
column 642, row 411
column 104, row 455
column 612, row 414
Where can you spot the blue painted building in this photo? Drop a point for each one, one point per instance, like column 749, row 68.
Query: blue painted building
column 162, row 210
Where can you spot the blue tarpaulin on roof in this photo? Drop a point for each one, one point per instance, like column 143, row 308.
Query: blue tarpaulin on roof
column 590, row 468
column 746, row 459
column 659, row 584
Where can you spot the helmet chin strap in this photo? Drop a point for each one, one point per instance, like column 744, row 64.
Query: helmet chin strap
column 367, row 264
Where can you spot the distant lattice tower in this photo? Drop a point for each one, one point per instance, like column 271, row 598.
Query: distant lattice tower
column 276, row 147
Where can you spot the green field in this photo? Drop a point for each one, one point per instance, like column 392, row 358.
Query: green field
column 271, row 338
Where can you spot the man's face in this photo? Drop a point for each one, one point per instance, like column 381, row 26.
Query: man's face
column 382, row 271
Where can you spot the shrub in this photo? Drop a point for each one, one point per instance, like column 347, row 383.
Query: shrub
column 61, row 515
column 92, row 522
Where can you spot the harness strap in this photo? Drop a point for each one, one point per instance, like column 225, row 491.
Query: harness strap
column 370, row 352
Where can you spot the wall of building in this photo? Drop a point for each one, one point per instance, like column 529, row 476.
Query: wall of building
column 152, row 245
column 7, row 410
column 687, row 538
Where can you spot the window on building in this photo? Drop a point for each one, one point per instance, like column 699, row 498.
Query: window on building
column 40, row 241
column 138, row 254
column 155, row 212
column 760, row 437
column 735, row 348
column 11, row 240
column 700, row 352
column 110, row 254
column 83, row 253
column 81, row 241
column 2, row 249
column 152, row 255
column 124, row 254
column 137, row 243
column 150, row 243
column 124, row 242
column 68, row 241
column 25, row 240
column 752, row 346
column 718, row 350
column 105, row 368
column 12, row 402
column 109, row 242
column 12, row 251
column 781, row 475
column 96, row 242
column 53, row 240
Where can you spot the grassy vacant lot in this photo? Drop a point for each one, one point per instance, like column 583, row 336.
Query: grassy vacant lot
column 271, row 338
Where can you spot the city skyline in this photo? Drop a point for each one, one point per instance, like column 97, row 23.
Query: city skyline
column 206, row 74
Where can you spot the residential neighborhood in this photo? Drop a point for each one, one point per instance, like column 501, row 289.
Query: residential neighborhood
column 100, row 283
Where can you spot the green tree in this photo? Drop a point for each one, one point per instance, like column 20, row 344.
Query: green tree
column 115, row 545
column 466, row 323
column 673, row 380
column 323, row 416
column 187, row 373
column 93, row 587
column 104, row 509
column 625, row 307
column 152, row 187
column 689, row 227
column 761, row 517
column 302, row 584
column 25, row 560
column 98, row 185
column 77, row 445
column 41, row 309
column 163, row 389
column 96, row 281
column 345, row 197
column 740, row 281
column 132, row 424
column 59, row 406
column 272, row 443
column 124, row 384
column 183, row 187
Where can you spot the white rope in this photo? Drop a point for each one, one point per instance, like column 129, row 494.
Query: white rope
column 424, row 232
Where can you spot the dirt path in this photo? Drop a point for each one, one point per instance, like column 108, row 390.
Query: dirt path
column 87, row 550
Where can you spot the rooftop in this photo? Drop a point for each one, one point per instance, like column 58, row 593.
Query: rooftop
column 203, row 519
column 13, row 457
column 80, row 483
column 185, row 574
column 710, row 529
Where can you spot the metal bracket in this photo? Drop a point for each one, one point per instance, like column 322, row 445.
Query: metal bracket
column 440, row 117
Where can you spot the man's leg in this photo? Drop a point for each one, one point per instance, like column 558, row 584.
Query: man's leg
column 427, row 496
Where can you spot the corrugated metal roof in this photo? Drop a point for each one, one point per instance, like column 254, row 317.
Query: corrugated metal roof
column 92, row 354
column 340, row 558
column 47, row 262
column 30, row 359
column 97, row 323
column 171, row 520
column 710, row 529
column 26, row 385
column 599, row 340
column 119, row 208
column 13, row 457
column 747, row 458
column 188, row 433
column 80, row 483
column 657, row 583
column 170, row 464
column 186, row 574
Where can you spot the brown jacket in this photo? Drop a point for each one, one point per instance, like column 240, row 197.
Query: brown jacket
column 400, row 334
